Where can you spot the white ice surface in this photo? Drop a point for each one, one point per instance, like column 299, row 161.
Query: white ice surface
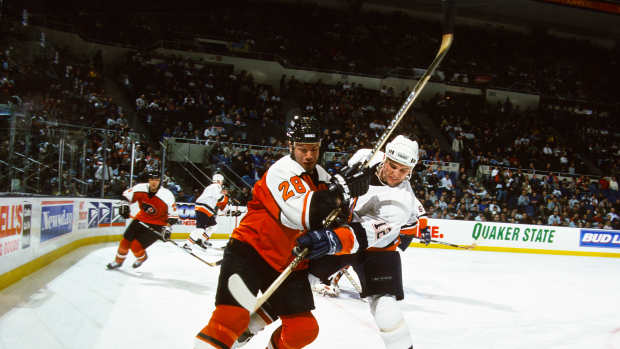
column 453, row 299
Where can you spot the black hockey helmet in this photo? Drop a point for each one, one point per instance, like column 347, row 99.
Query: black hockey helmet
column 303, row 129
column 153, row 174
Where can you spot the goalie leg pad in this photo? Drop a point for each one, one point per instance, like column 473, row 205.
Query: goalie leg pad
column 392, row 326
column 296, row 331
column 227, row 323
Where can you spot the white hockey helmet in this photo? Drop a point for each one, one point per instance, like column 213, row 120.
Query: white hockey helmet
column 218, row 178
column 402, row 150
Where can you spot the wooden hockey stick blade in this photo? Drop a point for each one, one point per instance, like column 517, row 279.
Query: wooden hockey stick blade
column 244, row 296
column 242, row 293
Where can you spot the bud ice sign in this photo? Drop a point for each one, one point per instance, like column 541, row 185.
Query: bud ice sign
column 56, row 218
column 599, row 238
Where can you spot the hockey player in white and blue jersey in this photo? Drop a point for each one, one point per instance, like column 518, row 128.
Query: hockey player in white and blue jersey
column 212, row 199
column 387, row 217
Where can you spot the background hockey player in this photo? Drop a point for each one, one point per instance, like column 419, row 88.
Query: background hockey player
column 386, row 217
column 213, row 198
column 157, row 209
column 293, row 196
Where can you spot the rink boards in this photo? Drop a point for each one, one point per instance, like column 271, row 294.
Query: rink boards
column 36, row 231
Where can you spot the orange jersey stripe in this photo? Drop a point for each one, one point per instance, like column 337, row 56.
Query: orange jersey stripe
column 203, row 210
column 303, row 212
column 261, row 228
column 347, row 238
column 264, row 227
column 409, row 231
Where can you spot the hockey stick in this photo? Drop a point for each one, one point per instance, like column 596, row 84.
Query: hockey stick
column 236, row 286
column 446, row 43
column 465, row 247
column 211, row 264
column 346, row 273
column 247, row 299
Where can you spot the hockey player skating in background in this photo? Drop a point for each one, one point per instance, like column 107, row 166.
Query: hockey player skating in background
column 212, row 199
column 387, row 216
column 294, row 196
column 157, row 209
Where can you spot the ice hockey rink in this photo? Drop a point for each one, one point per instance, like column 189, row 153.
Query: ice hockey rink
column 454, row 299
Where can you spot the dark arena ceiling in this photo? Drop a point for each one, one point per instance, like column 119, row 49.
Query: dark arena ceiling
column 590, row 19
column 597, row 18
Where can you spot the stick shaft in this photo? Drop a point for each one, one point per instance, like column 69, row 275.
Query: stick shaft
column 277, row 282
column 212, row 264
column 446, row 42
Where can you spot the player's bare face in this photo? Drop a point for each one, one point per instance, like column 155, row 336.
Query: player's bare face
column 306, row 154
column 392, row 173
column 153, row 184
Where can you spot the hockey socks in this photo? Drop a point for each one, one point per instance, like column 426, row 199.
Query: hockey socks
column 121, row 254
column 227, row 323
column 296, row 331
column 139, row 252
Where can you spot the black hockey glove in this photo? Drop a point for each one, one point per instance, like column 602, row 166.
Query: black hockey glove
column 165, row 233
column 351, row 182
column 425, row 236
column 405, row 241
column 320, row 243
column 123, row 211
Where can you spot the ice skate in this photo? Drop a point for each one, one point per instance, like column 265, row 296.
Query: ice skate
column 326, row 290
column 114, row 265
column 243, row 339
column 139, row 261
column 202, row 242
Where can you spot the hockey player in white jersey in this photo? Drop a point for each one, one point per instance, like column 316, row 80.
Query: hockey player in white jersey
column 212, row 199
column 386, row 217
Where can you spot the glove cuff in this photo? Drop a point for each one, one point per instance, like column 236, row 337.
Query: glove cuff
column 341, row 187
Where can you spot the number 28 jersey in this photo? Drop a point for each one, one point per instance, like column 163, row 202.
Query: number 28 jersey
column 279, row 211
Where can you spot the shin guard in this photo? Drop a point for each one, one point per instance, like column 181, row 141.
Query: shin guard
column 296, row 331
column 227, row 323
column 137, row 249
column 123, row 249
column 392, row 326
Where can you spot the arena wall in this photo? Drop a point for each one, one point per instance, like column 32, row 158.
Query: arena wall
column 36, row 231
